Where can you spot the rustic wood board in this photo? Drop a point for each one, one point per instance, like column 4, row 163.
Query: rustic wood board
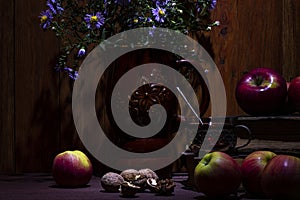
column 7, row 111
column 36, row 90
column 279, row 147
column 255, row 34
column 281, row 128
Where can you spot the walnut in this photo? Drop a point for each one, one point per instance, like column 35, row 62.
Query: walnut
column 162, row 187
column 148, row 173
column 130, row 175
column 111, row 182
column 128, row 190
column 134, row 177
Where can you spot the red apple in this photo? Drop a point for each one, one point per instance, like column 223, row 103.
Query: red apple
column 252, row 168
column 72, row 169
column 261, row 91
column 281, row 178
column 294, row 93
column 217, row 175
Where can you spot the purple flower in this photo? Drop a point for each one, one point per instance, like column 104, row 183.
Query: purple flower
column 161, row 2
column 71, row 73
column 159, row 13
column 151, row 31
column 122, row 2
column 45, row 19
column 94, row 21
column 55, row 7
column 81, row 52
column 213, row 4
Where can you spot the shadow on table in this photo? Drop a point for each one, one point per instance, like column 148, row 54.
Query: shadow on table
column 65, row 187
column 203, row 197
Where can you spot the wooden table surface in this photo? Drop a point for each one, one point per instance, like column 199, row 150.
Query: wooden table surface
column 42, row 187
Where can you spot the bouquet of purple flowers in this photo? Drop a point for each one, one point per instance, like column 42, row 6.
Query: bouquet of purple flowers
column 82, row 24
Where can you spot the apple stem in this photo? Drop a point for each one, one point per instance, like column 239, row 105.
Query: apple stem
column 207, row 160
column 259, row 80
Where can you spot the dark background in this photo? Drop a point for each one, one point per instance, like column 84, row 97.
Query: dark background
column 35, row 114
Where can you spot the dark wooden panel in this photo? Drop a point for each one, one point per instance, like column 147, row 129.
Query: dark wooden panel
column 69, row 137
column 251, row 35
column 222, row 39
column 291, row 38
column 7, row 164
column 37, row 93
column 280, row 128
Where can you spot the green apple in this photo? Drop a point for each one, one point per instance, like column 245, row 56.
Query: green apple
column 217, row 175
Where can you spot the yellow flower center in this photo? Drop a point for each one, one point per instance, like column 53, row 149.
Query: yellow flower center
column 161, row 12
column 44, row 18
column 94, row 19
column 135, row 20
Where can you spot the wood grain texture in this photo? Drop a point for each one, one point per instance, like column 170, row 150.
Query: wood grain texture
column 35, row 103
column 36, row 90
column 68, row 134
column 290, row 38
column 7, row 163
column 280, row 128
column 255, row 34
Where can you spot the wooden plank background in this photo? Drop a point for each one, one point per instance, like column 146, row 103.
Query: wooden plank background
column 36, row 90
column 7, row 110
column 255, row 34
column 35, row 117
